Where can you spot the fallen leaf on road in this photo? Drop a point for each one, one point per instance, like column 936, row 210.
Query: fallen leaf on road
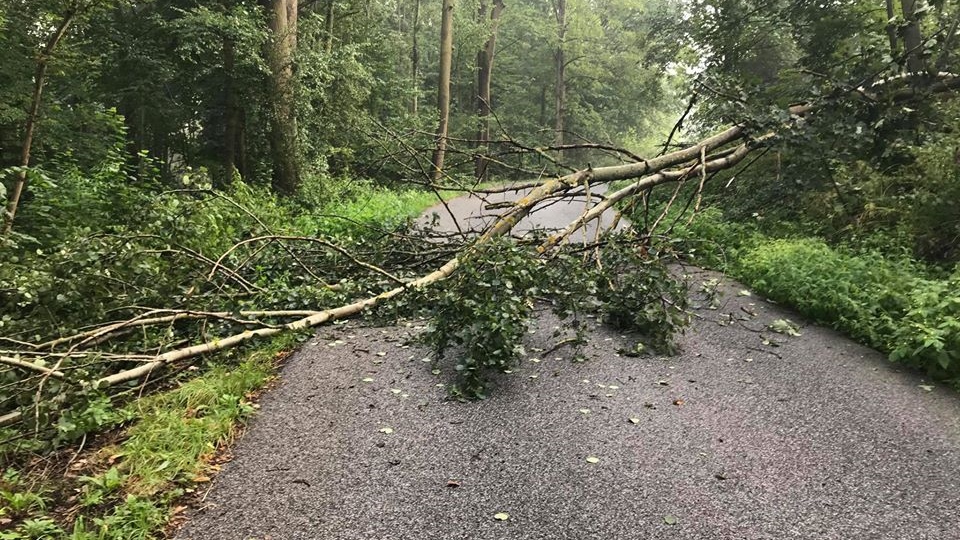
column 785, row 326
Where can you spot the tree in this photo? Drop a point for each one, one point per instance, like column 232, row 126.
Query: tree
column 283, row 120
column 560, row 68
column 912, row 37
column 485, row 58
column 43, row 59
column 443, row 87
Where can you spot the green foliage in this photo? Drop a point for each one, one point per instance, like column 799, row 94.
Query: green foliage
column 166, row 449
column 893, row 304
column 482, row 313
column 637, row 293
column 862, row 294
column 96, row 488
column 21, row 503
column 928, row 335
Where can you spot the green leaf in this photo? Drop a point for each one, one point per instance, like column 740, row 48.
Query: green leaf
column 785, row 326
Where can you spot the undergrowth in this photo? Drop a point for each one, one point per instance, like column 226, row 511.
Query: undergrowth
column 888, row 301
column 124, row 490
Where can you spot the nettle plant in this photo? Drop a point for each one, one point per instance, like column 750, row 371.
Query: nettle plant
column 480, row 315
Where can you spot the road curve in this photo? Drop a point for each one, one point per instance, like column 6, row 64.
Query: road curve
column 476, row 212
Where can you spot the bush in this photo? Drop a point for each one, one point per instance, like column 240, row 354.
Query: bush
column 892, row 304
column 928, row 336
column 863, row 295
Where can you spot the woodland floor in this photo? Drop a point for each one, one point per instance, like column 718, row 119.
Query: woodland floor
column 816, row 438
column 745, row 434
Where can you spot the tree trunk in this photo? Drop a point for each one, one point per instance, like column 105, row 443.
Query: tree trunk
column 328, row 44
column 892, row 30
column 415, row 59
column 560, row 63
column 39, row 78
column 283, row 121
column 484, row 76
column 443, row 90
column 231, row 131
column 912, row 38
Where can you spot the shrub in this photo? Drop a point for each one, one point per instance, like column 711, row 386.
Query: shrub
column 928, row 336
column 863, row 295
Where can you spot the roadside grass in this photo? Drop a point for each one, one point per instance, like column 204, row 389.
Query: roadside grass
column 127, row 489
column 892, row 303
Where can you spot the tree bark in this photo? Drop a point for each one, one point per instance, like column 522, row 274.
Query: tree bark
column 39, row 79
column 560, row 64
column 484, row 77
column 443, row 89
column 283, row 121
column 892, row 30
column 912, row 38
column 231, row 131
column 415, row 59
column 328, row 44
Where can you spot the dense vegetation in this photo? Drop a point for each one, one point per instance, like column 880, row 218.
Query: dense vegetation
column 180, row 173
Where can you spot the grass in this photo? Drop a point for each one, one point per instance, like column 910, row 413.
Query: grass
column 165, row 454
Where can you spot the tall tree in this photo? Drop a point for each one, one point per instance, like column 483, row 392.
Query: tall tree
column 560, row 67
column 484, row 76
column 39, row 79
column 443, row 87
column 912, row 37
column 415, row 58
column 283, row 120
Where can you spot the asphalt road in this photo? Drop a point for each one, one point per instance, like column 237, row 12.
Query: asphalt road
column 478, row 211
column 746, row 434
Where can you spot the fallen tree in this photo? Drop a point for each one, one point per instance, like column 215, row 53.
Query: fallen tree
column 45, row 360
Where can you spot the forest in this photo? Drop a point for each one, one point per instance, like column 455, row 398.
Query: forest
column 191, row 187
